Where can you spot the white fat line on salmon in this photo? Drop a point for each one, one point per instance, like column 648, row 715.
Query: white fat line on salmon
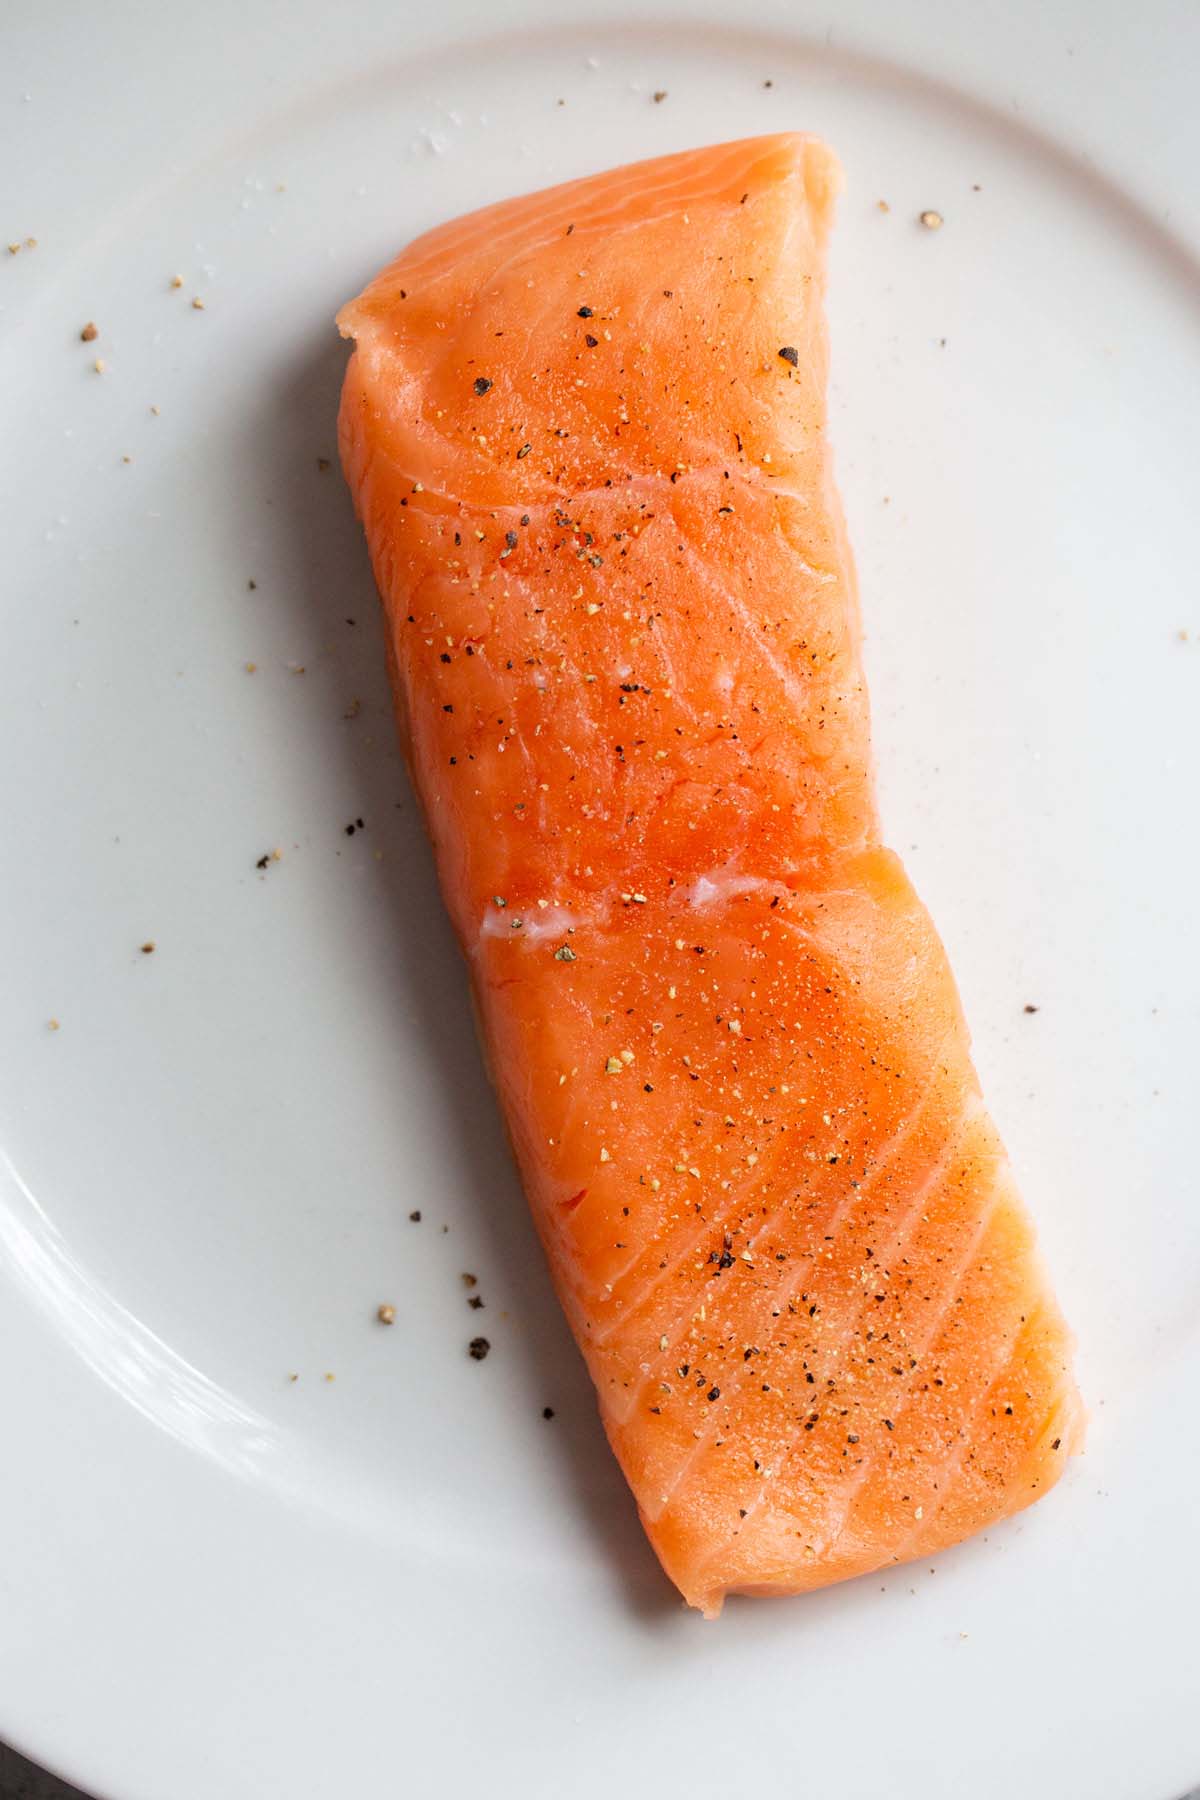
column 538, row 920
column 558, row 496
column 970, row 1112
column 531, row 924
column 1003, row 1183
column 939, row 1482
column 723, row 884
column 887, row 1155
column 836, row 1528
column 795, row 692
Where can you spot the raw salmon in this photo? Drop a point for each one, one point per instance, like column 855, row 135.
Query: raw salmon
column 586, row 434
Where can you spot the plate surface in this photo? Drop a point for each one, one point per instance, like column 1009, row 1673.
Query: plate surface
column 391, row 1572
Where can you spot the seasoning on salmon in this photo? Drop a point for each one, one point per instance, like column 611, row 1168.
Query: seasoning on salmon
column 725, row 1035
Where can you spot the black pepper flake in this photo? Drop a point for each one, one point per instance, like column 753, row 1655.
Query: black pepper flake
column 478, row 1348
column 714, row 1393
column 445, row 656
column 889, row 1425
column 415, row 1217
column 482, row 384
column 790, row 355
column 547, row 1412
column 263, row 862
column 1031, row 1009
column 585, row 312
column 475, row 1302
column 510, row 538
column 1056, row 1443
column 590, row 341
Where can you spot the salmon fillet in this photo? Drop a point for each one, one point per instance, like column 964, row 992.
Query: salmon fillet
column 586, row 434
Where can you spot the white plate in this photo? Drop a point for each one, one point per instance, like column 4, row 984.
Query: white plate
column 215, row 1581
